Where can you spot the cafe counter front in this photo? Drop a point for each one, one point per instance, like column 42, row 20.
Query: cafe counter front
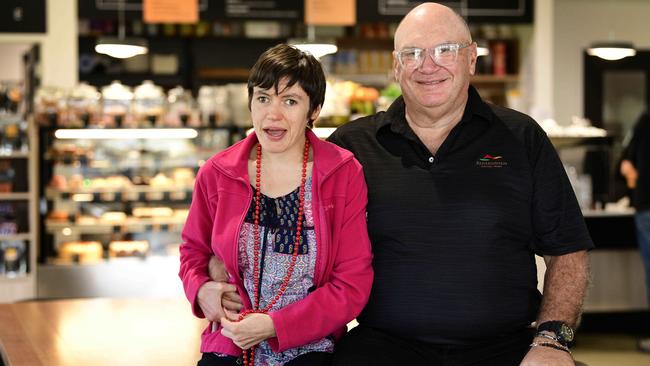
column 99, row 332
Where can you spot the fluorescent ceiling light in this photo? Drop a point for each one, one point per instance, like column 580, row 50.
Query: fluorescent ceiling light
column 121, row 48
column 611, row 50
column 317, row 49
column 126, row 133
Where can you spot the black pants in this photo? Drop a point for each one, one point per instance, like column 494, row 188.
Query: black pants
column 308, row 359
column 368, row 346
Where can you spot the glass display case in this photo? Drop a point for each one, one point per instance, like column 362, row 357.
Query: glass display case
column 116, row 187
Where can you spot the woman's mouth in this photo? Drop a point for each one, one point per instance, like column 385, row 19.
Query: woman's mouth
column 274, row 134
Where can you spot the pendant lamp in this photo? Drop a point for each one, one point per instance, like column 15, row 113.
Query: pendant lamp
column 611, row 50
column 120, row 46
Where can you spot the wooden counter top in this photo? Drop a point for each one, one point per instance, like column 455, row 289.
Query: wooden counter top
column 100, row 332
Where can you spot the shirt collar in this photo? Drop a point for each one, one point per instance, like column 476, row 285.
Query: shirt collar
column 395, row 116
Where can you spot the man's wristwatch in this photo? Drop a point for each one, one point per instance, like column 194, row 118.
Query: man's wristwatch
column 563, row 332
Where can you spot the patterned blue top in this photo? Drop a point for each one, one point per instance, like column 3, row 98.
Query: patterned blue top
column 278, row 218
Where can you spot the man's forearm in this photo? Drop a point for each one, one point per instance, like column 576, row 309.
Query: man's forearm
column 565, row 285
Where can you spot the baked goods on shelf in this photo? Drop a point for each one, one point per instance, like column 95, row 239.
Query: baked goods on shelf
column 80, row 252
column 128, row 248
column 153, row 212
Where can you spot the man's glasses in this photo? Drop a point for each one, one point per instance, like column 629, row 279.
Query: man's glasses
column 443, row 55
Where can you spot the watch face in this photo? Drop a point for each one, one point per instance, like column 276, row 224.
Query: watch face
column 566, row 332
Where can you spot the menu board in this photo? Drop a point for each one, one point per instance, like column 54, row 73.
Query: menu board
column 18, row 16
column 208, row 9
column 261, row 10
column 475, row 11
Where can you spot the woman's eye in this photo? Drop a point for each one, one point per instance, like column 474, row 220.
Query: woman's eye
column 262, row 99
column 291, row 102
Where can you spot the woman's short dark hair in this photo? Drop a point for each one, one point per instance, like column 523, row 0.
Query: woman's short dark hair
column 284, row 61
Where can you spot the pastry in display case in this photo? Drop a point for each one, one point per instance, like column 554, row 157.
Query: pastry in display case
column 181, row 108
column 116, row 105
column 80, row 252
column 13, row 258
column 128, row 248
column 82, row 106
column 149, row 104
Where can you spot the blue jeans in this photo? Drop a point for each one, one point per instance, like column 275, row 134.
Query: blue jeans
column 642, row 221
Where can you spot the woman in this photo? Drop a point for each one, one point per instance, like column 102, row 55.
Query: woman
column 285, row 212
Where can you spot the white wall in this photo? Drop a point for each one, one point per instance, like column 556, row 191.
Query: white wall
column 577, row 23
column 59, row 54
column 11, row 56
column 541, row 60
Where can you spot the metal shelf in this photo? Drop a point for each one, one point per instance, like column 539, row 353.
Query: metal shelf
column 131, row 224
column 15, row 155
column 16, row 237
column 16, row 196
column 494, row 79
column 126, row 193
column 15, row 280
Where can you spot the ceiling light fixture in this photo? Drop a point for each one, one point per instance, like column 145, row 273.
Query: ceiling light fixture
column 611, row 50
column 120, row 46
column 318, row 48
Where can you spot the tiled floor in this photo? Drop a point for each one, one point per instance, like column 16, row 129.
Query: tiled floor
column 609, row 350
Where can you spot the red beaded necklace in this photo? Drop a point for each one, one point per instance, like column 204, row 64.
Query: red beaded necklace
column 249, row 355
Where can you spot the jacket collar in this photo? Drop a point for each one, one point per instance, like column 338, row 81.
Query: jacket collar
column 234, row 160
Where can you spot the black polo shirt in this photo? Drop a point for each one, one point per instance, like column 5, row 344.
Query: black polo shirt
column 454, row 234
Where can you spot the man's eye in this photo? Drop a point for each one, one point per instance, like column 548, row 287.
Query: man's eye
column 291, row 102
column 444, row 49
column 411, row 53
column 262, row 99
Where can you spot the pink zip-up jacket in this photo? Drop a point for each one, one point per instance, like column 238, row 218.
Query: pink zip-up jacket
column 343, row 273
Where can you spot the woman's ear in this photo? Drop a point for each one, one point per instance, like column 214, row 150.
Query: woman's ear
column 315, row 113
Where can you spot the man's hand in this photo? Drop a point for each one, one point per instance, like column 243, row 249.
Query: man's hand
column 230, row 299
column 217, row 270
column 250, row 331
column 546, row 356
column 213, row 297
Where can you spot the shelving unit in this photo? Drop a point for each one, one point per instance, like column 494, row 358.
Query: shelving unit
column 22, row 286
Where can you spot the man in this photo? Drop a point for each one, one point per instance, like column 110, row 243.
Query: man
column 461, row 196
column 635, row 167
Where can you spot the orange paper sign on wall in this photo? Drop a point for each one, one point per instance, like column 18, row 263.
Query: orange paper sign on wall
column 170, row 11
column 330, row 12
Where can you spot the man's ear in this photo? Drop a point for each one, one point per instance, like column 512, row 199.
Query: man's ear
column 473, row 56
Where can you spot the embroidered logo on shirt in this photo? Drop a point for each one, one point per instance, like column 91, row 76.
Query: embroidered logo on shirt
column 489, row 161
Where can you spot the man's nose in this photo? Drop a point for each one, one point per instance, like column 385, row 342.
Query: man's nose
column 429, row 60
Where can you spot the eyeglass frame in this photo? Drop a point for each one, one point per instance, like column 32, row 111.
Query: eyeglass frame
column 431, row 51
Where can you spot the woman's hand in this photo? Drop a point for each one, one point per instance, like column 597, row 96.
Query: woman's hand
column 250, row 331
column 214, row 297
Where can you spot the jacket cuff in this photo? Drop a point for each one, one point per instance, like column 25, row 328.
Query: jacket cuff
column 279, row 342
column 194, row 293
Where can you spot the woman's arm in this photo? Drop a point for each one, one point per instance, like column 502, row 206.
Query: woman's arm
column 195, row 252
